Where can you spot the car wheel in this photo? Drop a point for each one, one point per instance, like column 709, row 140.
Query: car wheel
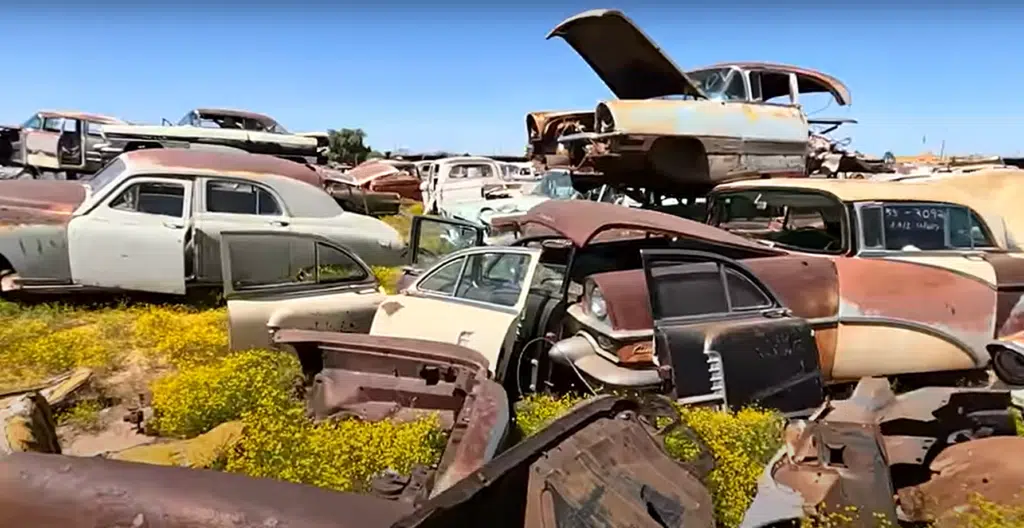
column 1009, row 366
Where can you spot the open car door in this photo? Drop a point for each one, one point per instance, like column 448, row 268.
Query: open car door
column 274, row 279
column 726, row 336
column 472, row 298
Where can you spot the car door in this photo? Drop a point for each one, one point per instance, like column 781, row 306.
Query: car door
column 71, row 145
column 464, row 183
column 135, row 238
column 927, row 293
column 433, row 237
column 726, row 337
column 472, row 298
column 278, row 280
column 226, row 203
column 41, row 144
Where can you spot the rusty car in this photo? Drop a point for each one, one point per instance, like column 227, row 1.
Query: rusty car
column 674, row 129
column 150, row 221
column 506, row 302
column 54, row 142
column 248, row 131
column 682, row 304
column 882, row 459
column 599, row 464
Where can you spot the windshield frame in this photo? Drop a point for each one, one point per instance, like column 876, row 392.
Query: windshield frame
column 105, row 176
column 540, row 189
column 700, row 77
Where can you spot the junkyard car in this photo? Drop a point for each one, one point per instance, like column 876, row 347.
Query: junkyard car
column 461, row 179
column 249, row 131
column 150, row 221
column 492, row 211
column 525, row 486
column 669, row 128
column 505, row 302
column 391, row 176
column 51, row 141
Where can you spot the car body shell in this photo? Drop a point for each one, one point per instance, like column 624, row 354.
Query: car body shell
column 64, row 234
column 670, row 128
column 263, row 136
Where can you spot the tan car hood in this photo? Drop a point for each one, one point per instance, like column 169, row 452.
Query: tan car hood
column 39, row 201
column 623, row 56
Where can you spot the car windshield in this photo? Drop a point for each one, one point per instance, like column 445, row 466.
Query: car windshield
column 105, row 175
column 719, row 83
column 556, row 185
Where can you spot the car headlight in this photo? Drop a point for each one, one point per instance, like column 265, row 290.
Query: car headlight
column 598, row 307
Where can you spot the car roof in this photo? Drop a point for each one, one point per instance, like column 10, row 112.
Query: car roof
column 581, row 220
column 300, row 185
column 198, row 161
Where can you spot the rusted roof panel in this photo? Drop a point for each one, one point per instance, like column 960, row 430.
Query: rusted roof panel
column 242, row 162
column 580, row 220
column 371, row 170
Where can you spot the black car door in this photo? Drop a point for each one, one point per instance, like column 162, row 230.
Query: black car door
column 725, row 335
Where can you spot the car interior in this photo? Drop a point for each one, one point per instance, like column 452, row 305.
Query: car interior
column 803, row 221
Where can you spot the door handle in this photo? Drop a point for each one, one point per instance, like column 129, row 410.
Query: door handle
column 171, row 224
column 279, row 223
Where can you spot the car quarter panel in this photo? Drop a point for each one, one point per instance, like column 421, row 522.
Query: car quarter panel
column 36, row 251
column 932, row 313
column 1009, row 269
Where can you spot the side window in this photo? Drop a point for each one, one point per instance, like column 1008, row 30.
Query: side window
column 435, row 239
column 53, row 124
column 263, row 260
column 224, row 196
column 443, row 279
column 922, row 227
column 755, row 85
column 158, row 198
column 335, row 266
column 736, row 90
column 692, row 288
column 69, row 125
column 93, row 129
column 494, row 278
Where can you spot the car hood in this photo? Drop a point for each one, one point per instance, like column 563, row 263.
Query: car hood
column 623, row 56
column 368, row 171
column 39, row 201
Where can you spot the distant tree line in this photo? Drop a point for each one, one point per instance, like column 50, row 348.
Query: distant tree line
column 348, row 146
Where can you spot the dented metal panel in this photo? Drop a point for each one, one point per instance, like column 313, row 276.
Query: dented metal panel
column 860, row 452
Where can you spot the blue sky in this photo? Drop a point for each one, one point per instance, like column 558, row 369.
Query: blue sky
column 462, row 78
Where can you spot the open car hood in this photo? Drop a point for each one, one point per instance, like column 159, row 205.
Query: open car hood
column 623, row 56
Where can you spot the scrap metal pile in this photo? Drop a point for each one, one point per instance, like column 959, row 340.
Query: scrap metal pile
column 654, row 257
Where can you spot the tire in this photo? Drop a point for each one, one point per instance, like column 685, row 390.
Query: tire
column 1009, row 366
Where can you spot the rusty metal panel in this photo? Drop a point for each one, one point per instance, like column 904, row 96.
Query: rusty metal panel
column 76, row 492
column 712, row 119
